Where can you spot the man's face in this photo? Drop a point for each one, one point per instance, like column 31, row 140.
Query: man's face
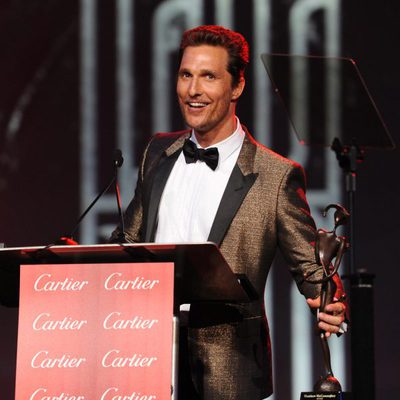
column 205, row 92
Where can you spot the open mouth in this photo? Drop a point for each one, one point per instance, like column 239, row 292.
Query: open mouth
column 196, row 104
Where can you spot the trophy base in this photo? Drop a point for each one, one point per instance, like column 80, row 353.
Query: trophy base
column 326, row 396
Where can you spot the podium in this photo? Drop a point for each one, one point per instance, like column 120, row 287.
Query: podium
column 91, row 317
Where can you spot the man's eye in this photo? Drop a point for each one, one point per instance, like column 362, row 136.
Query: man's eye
column 185, row 75
column 210, row 76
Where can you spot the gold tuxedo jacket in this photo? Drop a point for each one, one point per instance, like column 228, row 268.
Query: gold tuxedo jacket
column 263, row 207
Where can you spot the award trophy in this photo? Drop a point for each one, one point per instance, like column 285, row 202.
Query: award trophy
column 328, row 247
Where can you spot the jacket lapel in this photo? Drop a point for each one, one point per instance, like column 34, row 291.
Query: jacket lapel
column 162, row 172
column 239, row 183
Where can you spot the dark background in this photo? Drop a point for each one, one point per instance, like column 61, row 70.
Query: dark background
column 39, row 165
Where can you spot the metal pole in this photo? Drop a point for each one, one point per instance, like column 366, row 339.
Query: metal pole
column 362, row 335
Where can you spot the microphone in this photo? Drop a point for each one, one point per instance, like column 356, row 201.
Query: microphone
column 118, row 160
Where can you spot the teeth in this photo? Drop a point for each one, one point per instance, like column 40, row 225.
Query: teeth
column 197, row 104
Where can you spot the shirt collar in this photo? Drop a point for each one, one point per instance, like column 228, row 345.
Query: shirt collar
column 229, row 145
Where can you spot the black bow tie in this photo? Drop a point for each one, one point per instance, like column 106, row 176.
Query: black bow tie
column 192, row 153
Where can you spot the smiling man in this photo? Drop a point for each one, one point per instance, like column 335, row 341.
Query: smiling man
column 207, row 94
column 213, row 182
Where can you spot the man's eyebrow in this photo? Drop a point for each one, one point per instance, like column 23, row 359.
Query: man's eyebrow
column 208, row 72
column 183, row 70
column 202, row 71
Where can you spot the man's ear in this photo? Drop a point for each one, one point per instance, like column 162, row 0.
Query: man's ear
column 238, row 89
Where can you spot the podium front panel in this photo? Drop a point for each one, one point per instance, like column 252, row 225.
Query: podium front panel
column 95, row 331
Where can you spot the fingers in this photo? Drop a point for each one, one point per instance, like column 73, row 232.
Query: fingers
column 314, row 303
column 328, row 329
column 323, row 329
column 336, row 308
column 331, row 320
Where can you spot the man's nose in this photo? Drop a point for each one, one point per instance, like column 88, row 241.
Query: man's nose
column 195, row 87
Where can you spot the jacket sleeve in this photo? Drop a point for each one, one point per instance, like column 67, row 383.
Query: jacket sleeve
column 296, row 230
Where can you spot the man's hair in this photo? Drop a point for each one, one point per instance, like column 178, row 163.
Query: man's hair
column 213, row 35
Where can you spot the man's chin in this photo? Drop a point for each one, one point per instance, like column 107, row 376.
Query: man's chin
column 199, row 128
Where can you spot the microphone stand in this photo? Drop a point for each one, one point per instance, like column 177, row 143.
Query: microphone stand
column 361, row 287
column 117, row 163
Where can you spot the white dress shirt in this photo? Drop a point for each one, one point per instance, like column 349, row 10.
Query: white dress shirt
column 193, row 193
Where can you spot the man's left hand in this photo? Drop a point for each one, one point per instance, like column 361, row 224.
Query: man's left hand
column 330, row 321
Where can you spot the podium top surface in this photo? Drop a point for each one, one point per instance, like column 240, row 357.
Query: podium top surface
column 31, row 254
column 117, row 252
column 201, row 272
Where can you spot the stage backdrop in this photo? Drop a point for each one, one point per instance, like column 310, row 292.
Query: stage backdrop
column 83, row 77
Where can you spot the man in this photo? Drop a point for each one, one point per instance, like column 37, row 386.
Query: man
column 236, row 193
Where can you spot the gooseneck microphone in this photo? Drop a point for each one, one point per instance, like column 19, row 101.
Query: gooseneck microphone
column 118, row 160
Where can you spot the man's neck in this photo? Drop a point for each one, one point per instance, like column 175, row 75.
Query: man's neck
column 207, row 139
